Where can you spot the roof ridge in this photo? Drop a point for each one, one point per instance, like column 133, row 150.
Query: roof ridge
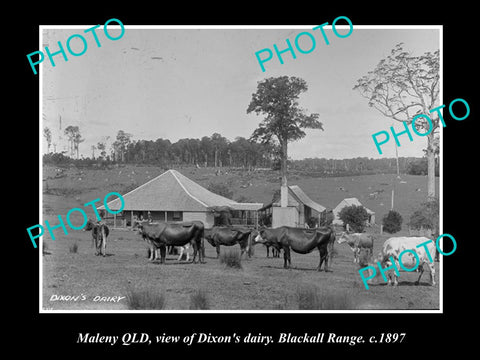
column 184, row 188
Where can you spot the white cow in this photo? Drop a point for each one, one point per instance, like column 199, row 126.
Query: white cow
column 416, row 252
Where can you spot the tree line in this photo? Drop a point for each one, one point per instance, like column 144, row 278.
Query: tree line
column 209, row 151
column 218, row 151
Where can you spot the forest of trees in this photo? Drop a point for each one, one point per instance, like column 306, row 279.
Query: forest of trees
column 218, row 151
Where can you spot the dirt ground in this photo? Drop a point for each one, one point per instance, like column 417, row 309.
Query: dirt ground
column 82, row 281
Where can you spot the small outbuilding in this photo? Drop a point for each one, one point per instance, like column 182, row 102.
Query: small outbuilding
column 301, row 210
column 350, row 202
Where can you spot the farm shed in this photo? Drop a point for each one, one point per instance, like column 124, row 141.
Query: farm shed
column 350, row 202
column 173, row 197
column 300, row 210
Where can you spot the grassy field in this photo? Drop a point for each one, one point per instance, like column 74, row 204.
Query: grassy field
column 75, row 279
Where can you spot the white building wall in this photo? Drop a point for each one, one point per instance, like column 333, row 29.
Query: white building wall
column 205, row 217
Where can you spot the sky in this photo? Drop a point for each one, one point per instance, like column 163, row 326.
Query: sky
column 189, row 83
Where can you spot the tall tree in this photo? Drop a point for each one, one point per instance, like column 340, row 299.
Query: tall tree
column 76, row 142
column 120, row 145
column 277, row 99
column 101, row 147
column 403, row 86
column 48, row 136
column 74, row 138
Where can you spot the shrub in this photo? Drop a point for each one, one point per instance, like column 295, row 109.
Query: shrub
column 199, row 300
column 145, row 300
column 231, row 259
column 309, row 299
column 73, row 248
column 392, row 222
column 426, row 217
column 355, row 216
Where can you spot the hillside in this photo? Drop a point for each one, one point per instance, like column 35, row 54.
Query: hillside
column 64, row 188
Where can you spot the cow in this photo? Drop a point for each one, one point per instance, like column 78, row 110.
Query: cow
column 100, row 232
column 183, row 250
column 229, row 236
column 391, row 250
column 301, row 241
column 357, row 242
column 160, row 235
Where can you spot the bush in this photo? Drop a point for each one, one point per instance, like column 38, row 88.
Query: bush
column 145, row 300
column 73, row 248
column 355, row 216
column 199, row 301
column 392, row 222
column 309, row 299
column 231, row 259
column 426, row 217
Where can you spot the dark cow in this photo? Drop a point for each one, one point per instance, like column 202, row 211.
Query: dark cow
column 160, row 235
column 100, row 233
column 300, row 240
column 229, row 236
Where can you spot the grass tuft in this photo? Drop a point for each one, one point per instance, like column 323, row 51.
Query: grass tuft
column 145, row 300
column 73, row 248
column 199, row 300
column 231, row 259
column 310, row 299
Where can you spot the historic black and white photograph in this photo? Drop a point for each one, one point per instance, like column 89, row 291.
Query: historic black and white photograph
column 242, row 168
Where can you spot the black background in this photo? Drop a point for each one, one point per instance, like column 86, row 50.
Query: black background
column 52, row 334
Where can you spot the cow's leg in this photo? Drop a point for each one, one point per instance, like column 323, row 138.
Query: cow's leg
column 420, row 270
column 286, row 257
column 268, row 251
column 186, row 248
column 196, row 250
column 163, row 254
column 242, row 250
column 395, row 277
column 218, row 250
column 323, row 257
column 182, row 249
column 431, row 266
column 104, row 243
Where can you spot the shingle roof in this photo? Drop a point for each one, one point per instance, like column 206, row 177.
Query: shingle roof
column 170, row 191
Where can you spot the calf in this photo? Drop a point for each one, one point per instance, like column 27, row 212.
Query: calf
column 357, row 242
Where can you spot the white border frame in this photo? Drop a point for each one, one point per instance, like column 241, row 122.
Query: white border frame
column 243, row 27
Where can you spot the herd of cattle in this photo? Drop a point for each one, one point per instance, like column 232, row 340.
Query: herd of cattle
column 160, row 236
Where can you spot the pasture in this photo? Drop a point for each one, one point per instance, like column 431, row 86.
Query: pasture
column 91, row 282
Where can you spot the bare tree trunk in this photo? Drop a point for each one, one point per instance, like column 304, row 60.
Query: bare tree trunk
column 430, row 168
column 283, row 171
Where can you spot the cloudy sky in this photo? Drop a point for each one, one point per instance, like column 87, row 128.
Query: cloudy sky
column 189, row 83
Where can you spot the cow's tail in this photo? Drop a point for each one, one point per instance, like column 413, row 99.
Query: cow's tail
column 330, row 246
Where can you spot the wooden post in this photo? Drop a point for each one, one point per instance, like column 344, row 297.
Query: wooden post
column 114, row 220
column 131, row 219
